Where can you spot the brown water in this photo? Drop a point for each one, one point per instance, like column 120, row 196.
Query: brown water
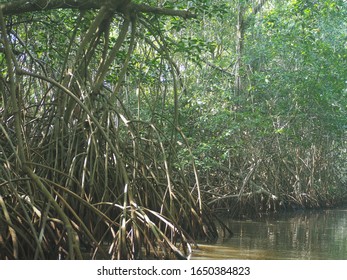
column 314, row 235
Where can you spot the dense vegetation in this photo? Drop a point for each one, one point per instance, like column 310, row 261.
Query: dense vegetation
column 267, row 117
column 126, row 127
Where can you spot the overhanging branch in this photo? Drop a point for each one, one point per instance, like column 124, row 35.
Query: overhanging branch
column 17, row 7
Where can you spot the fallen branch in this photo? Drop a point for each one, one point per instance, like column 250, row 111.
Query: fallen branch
column 260, row 190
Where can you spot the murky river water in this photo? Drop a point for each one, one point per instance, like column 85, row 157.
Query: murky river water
column 313, row 235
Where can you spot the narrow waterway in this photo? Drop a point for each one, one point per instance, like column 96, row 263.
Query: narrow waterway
column 313, row 235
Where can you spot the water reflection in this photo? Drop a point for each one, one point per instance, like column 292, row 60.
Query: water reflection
column 302, row 236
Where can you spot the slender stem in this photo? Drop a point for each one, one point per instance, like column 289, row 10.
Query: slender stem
column 24, row 164
column 127, row 59
column 103, row 69
column 13, row 91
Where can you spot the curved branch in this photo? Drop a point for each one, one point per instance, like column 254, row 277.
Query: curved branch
column 16, row 7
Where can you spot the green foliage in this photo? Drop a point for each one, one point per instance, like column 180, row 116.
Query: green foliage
column 271, row 146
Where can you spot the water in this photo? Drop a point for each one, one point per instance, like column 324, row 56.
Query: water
column 314, row 235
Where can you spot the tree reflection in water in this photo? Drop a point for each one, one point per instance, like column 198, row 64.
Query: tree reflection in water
column 311, row 235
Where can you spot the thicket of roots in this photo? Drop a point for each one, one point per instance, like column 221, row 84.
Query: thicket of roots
column 113, row 183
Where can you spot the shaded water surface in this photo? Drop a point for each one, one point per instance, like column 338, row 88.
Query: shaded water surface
column 302, row 236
